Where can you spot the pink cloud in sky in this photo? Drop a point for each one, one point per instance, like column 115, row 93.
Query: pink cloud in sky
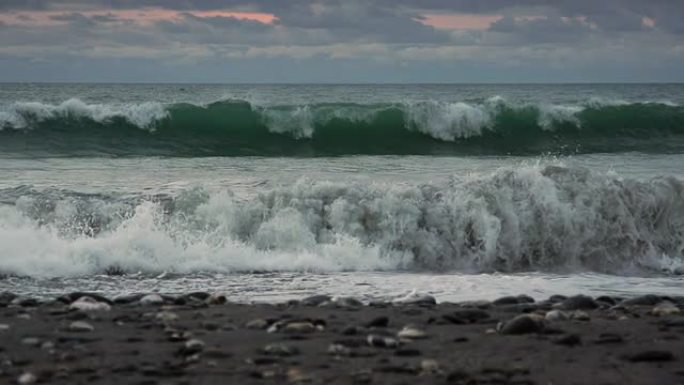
column 459, row 21
column 143, row 16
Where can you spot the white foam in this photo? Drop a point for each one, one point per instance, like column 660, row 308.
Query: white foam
column 448, row 121
column 531, row 218
column 21, row 115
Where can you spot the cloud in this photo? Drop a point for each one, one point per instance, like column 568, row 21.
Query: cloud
column 551, row 36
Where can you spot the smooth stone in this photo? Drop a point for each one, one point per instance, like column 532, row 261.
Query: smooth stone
column 522, row 324
column 75, row 296
column 557, row 298
column 466, row 316
column 568, row 340
column 347, row 302
column 151, row 300
column 412, row 333
column 609, row 338
column 166, row 316
column 507, row 300
column 81, row 326
column 379, row 341
column 579, row 315
column 30, row 341
column 192, row 346
column 415, row 298
column 217, row 299
column 579, row 302
column 4, row 327
column 125, row 299
column 407, row 352
column 606, row 299
column 258, row 323
column 378, row 322
column 6, row 298
column 429, row 365
column 316, row 300
column 664, row 309
column 25, row 302
column 339, row 350
column 89, row 304
column 299, row 327
column 27, row 378
column 295, row 375
column 643, row 300
column 280, row 350
column 556, row 315
column 651, row 356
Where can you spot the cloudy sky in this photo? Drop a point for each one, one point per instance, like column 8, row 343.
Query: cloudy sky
column 227, row 41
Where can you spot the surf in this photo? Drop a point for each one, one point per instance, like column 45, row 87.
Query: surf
column 243, row 128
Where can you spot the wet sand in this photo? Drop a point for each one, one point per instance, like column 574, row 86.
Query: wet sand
column 200, row 338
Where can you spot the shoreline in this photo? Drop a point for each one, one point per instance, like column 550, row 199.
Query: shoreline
column 203, row 338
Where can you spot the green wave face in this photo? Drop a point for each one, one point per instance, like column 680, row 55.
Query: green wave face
column 238, row 128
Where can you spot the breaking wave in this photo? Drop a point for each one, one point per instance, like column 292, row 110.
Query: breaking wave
column 236, row 128
column 528, row 219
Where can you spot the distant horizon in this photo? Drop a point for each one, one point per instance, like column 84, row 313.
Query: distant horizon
column 349, row 83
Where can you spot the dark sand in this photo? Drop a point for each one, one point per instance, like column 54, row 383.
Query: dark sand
column 193, row 339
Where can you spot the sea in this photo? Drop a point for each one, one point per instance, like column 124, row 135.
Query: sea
column 273, row 192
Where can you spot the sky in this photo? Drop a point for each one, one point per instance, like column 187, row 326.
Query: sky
column 342, row 41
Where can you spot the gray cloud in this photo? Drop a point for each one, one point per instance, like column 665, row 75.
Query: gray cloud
column 553, row 36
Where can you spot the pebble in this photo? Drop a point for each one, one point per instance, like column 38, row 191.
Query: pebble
column 579, row 302
column 27, row 378
column 295, row 375
column 339, row 350
column 81, row 326
column 125, row 299
column 166, row 316
column 522, row 324
column 30, row 341
column 89, row 304
column 568, row 340
column 316, row 300
column 556, row 315
column 382, row 341
column 411, row 333
column 280, row 350
column 415, row 298
column 6, row 298
column 4, row 327
column 217, row 299
column 651, row 356
column 430, row 366
column 664, row 309
column 609, row 338
column 192, row 346
column 151, row 299
column 75, row 296
column 643, row 300
column 258, row 323
column 347, row 302
column 579, row 315
column 378, row 322
column 407, row 352
column 466, row 316
column 299, row 327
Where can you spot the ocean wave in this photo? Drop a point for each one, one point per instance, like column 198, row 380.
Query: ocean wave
column 528, row 219
column 235, row 127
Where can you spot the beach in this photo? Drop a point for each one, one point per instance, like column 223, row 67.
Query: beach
column 203, row 338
